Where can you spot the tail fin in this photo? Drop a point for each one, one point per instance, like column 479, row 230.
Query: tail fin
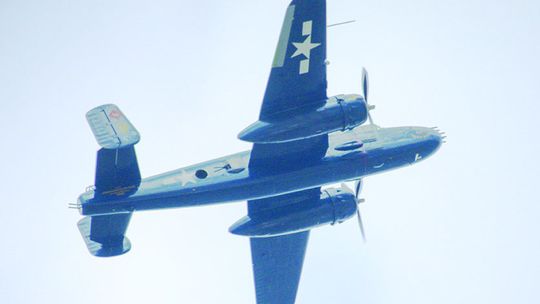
column 104, row 234
column 117, row 175
column 117, row 170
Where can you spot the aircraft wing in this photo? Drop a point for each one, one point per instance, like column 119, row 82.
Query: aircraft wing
column 297, row 84
column 277, row 261
column 298, row 77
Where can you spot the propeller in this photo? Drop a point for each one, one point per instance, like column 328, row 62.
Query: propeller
column 365, row 92
column 358, row 189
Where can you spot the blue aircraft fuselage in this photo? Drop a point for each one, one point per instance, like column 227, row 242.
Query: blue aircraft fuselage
column 351, row 155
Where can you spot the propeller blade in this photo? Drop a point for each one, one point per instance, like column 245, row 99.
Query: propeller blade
column 358, row 188
column 361, row 224
column 365, row 92
column 365, row 84
column 369, row 118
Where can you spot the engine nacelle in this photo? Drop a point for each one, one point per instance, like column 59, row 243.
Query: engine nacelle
column 341, row 112
column 333, row 206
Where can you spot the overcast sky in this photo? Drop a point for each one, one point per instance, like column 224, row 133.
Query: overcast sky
column 461, row 227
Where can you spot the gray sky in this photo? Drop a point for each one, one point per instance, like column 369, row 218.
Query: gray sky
column 461, row 227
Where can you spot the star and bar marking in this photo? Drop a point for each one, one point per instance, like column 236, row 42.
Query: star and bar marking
column 305, row 47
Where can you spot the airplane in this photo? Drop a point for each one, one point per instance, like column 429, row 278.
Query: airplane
column 303, row 142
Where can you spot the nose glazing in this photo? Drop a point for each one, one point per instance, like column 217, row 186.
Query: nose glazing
column 433, row 140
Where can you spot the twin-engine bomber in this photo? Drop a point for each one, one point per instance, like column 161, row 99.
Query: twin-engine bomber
column 303, row 142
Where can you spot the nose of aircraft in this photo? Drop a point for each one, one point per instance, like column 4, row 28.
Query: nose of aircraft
column 432, row 141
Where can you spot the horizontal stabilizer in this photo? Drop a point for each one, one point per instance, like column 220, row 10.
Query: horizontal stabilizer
column 111, row 128
column 104, row 234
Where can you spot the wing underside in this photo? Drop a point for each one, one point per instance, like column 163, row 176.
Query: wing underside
column 277, row 266
column 277, row 261
column 297, row 84
column 297, row 81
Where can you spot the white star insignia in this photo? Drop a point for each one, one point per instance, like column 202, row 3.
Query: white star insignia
column 304, row 48
column 186, row 178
